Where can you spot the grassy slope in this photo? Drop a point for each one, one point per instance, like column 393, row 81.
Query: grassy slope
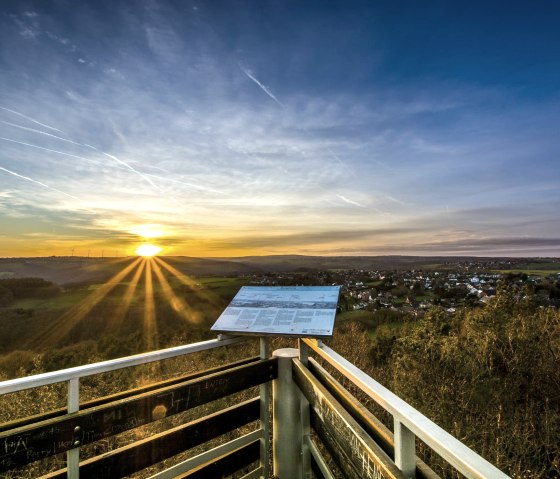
column 31, row 317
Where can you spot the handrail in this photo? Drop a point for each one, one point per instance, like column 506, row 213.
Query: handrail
column 20, row 384
column 68, row 433
column 409, row 423
column 461, row 457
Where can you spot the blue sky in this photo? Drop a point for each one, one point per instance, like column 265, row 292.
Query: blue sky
column 267, row 127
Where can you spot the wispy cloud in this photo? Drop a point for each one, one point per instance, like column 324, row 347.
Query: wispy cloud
column 184, row 183
column 350, row 202
column 89, row 160
column 342, row 163
column 124, row 165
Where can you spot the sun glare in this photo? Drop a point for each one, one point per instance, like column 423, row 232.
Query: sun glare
column 148, row 231
column 147, row 250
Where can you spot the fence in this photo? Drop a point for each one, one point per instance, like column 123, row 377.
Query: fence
column 318, row 428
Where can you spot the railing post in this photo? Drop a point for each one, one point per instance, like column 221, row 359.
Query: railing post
column 286, row 419
column 265, row 395
column 73, row 455
column 405, row 449
column 305, row 418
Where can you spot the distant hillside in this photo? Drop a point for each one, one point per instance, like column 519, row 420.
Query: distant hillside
column 66, row 270
column 292, row 263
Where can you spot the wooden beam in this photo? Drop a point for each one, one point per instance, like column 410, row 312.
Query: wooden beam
column 226, row 464
column 361, row 450
column 141, row 454
column 33, row 442
column 373, row 426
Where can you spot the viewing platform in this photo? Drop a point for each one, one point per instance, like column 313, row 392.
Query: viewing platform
column 302, row 424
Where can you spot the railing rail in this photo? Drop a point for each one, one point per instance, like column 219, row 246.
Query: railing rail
column 44, row 379
column 408, row 423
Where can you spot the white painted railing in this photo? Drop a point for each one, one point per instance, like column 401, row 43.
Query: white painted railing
column 72, row 377
column 408, row 422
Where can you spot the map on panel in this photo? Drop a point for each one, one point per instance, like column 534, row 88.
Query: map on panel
column 305, row 311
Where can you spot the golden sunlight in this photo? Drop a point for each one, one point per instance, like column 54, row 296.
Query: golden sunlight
column 147, row 250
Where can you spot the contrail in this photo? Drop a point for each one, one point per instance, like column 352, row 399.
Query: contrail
column 184, row 183
column 126, row 165
column 123, row 168
column 39, row 183
column 350, row 202
column 395, row 200
column 96, row 162
column 31, row 119
column 342, row 163
column 41, row 132
column 262, row 87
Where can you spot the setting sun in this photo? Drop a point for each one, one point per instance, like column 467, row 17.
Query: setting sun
column 147, row 250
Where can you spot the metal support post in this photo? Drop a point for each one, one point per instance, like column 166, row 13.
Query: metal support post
column 265, row 394
column 286, row 419
column 405, row 449
column 305, row 419
column 73, row 455
column 303, row 352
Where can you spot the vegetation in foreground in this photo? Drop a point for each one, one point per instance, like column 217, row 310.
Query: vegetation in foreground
column 488, row 375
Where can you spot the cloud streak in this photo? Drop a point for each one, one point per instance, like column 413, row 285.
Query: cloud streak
column 127, row 166
column 350, row 202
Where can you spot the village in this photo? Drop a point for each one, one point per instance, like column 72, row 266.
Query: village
column 415, row 291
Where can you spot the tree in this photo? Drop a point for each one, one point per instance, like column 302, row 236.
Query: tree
column 6, row 296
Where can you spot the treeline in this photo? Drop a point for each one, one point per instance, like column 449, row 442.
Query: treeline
column 18, row 288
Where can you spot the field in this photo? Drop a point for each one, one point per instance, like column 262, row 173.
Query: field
column 543, row 273
column 145, row 312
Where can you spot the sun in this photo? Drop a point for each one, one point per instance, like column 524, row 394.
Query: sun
column 147, row 250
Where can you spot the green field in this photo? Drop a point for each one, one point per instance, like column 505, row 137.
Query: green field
column 543, row 273
column 63, row 301
column 358, row 315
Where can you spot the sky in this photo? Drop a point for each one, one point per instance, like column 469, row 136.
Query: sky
column 257, row 127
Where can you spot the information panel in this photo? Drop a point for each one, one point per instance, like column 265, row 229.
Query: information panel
column 305, row 311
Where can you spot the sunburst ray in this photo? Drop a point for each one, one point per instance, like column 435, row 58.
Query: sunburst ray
column 61, row 327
